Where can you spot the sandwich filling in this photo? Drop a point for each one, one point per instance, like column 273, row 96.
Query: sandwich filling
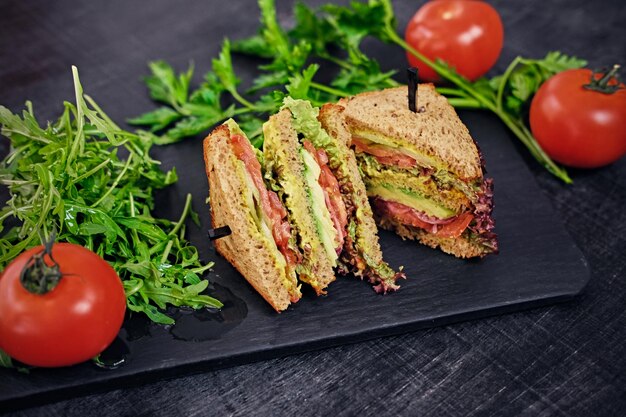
column 325, row 158
column 270, row 213
column 417, row 193
column 330, row 189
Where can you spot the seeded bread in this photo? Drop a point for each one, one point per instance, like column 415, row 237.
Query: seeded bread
column 436, row 132
column 246, row 248
column 281, row 150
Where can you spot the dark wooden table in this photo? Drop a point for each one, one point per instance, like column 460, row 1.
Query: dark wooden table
column 564, row 360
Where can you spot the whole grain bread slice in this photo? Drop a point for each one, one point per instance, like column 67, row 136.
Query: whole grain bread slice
column 251, row 253
column 281, row 151
column 436, row 131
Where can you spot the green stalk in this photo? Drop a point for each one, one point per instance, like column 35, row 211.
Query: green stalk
column 92, row 171
column 329, row 90
column 100, row 112
column 242, row 100
column 504, row 79
column 339, row 62
column 183, row 216
column 451, row 92
column 117, row 180
column 464, row 103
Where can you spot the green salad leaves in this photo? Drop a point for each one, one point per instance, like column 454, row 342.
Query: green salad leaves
column 93, row 183
column 334, row 35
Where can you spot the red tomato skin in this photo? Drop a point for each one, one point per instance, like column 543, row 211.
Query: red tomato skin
column 578, row 127
column 72, row 323
column 468, row 35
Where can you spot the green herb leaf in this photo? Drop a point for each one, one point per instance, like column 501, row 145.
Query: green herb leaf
column 70, row 178
column 223, row 68
column 165, row 86
column 255, row 45
column 556, row 62
column 300, row 84
column 157, row 119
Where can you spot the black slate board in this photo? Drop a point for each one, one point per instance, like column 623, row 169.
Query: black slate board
column 538, row 264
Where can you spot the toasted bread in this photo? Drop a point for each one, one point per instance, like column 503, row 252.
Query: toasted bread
column 247, row 249
column 435, row 133
column 447, row 180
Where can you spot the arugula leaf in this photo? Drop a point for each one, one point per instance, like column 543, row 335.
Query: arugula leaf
column 70, row 178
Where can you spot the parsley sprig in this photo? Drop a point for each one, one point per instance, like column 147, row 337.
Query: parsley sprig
column 70, row 176
column 332, row 34
column 288, row 70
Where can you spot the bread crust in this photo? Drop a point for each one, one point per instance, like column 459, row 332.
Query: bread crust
column 246, row 248
column 331, row 118
column 436, row 132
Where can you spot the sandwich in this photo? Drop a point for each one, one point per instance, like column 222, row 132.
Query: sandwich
column 422, row 170
column 298, row 212
column 261, row 245
column 311, row 166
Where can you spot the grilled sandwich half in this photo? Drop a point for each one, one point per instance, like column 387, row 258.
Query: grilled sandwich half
column 422, row 170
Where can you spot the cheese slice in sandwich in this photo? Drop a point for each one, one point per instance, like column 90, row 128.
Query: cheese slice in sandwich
column 315, row 169
column 262, row 246
column 422, row 170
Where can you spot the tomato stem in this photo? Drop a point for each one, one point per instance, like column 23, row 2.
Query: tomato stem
column 601, row 84
column 37, row 276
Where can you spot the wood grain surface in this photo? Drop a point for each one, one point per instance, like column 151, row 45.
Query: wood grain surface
column 563, row 360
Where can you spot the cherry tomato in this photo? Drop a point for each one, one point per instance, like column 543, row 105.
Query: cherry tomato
column 71, row 323
column 468, row 35
column 576, row 126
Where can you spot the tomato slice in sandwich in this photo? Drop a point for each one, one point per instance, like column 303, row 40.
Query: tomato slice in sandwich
column 384, row 154
column 270, row 203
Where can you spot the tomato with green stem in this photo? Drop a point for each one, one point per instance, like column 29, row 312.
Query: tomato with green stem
column 60, row 305
column 579, row 117
column 468, row 35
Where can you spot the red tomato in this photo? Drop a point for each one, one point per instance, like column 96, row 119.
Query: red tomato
column 384, row 154
column 579, row 127
column 468, row 35
column 73, row 322
column 457, row 227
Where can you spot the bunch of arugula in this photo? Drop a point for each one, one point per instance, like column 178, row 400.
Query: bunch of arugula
column 333, row 34
column 69, row 177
